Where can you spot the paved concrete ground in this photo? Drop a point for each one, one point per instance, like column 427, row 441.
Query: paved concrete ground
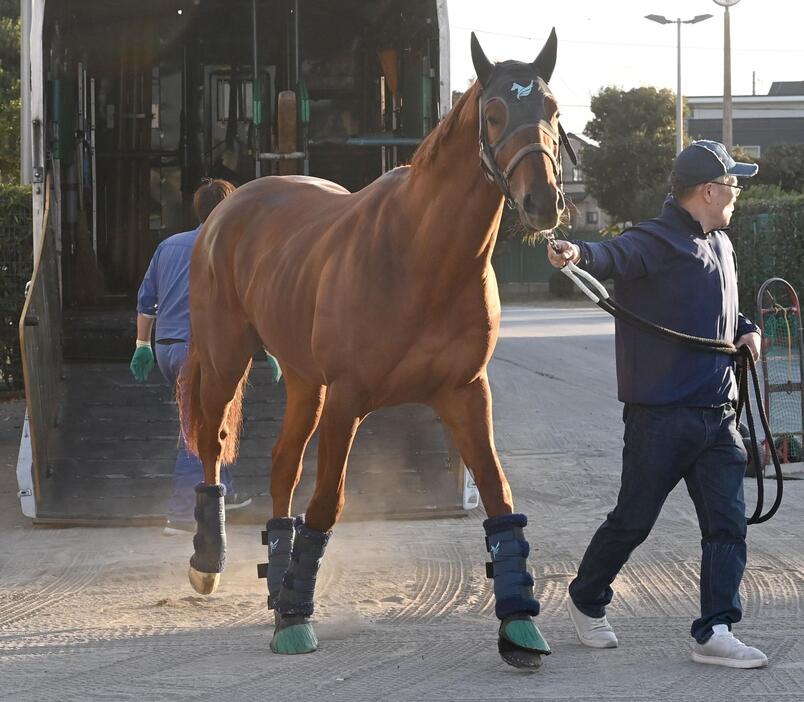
column 405, row 612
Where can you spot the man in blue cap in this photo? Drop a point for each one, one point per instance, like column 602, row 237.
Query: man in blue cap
column 164, row 296
column 679, row 271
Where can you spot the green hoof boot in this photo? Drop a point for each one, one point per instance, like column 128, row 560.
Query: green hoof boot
column 520, row 642
column 294, row 636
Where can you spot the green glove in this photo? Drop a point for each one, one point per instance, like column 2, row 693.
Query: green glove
column 142, row 363
column 274, row 369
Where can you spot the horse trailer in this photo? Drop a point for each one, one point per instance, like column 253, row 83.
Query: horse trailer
column 126, row 106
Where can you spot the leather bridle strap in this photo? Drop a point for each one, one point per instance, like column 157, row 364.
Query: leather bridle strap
column 538, row 148
column 566, row 142
column 488, row 153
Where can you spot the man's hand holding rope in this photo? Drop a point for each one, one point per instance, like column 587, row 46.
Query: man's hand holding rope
column 753, row 341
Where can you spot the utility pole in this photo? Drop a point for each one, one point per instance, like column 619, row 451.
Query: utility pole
column 679, row 99
column 727, row 134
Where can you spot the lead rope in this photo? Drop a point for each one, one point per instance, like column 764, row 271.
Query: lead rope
column 600, row 296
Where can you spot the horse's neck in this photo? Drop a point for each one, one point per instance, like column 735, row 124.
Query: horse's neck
column 462, row 209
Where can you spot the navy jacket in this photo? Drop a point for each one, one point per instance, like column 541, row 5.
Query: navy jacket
column 165, row 289
column 668, row 271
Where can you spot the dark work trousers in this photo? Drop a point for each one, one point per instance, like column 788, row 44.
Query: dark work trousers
column 188, row 471
column 662, row 445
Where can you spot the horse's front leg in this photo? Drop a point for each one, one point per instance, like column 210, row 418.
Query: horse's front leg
column 295, row 604
column 300, row 421
column 467, row 412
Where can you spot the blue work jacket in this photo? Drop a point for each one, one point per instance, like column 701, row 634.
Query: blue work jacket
column 165, row 289
column 670, row 272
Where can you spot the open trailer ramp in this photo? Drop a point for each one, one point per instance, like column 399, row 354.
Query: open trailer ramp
column 111, row 454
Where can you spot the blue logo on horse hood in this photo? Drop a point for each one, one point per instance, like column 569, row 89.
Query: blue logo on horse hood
column 522, row 90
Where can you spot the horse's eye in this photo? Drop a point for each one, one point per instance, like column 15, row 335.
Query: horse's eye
column 493, row 121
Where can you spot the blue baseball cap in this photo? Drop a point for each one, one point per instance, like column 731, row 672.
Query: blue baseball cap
column 705, row 160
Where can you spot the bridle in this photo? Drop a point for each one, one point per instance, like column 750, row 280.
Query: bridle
column 488, row 152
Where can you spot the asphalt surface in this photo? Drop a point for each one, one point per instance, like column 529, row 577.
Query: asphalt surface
column 405, row 612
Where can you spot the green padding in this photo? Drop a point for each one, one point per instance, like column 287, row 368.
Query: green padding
column 524, row 632
column 297, row 638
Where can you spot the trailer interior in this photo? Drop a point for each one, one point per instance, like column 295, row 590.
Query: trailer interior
column 166, row 93
column 142, row 100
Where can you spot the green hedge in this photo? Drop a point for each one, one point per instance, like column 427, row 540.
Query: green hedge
column 16, row 262
column 768, row 236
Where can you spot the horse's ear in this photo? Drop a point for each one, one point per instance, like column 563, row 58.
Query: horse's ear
column 483, row 66
column 546, row 60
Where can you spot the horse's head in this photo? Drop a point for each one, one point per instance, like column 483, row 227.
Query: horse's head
column 520, row 136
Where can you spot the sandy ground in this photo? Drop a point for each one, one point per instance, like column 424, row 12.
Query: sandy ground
column 405, row 612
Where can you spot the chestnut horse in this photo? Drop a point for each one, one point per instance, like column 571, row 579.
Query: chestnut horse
column 372, row 299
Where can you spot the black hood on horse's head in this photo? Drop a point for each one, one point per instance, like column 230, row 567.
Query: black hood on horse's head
column 543, row 65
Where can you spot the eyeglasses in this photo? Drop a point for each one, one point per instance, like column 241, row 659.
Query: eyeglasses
column 738, row 188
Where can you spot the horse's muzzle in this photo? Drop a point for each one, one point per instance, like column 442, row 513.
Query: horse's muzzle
column 542, row 210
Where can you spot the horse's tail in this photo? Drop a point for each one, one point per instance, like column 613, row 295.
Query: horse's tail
column 188, row 397
column 233, row 422
column 192, row 415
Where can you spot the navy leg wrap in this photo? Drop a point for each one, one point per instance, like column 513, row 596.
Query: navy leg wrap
column 298, row 584
column 278, row 537
column 210, row 536
column 513, row 584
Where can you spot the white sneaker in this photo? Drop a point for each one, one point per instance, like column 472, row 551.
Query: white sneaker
column 723, row 648
column 178, row 528
column 594, row 632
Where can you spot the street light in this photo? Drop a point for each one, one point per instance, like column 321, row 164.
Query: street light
column 678, row 22
column 727, row 136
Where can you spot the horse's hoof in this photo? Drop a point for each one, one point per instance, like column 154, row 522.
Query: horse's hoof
column 294, row 638
column 522, row 631
column 518, row 657
column 520, row 642
column 203, row 583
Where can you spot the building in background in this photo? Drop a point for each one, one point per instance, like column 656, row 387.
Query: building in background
column 759, row 121
column 585, row 213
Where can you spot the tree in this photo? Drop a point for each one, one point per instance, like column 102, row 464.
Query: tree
column 782, row 165
column 629, row 173
column 9, row 90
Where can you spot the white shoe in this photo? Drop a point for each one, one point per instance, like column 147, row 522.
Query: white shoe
column 723, row 648
column 178, row 528
column 592, row 631
column 234, row 501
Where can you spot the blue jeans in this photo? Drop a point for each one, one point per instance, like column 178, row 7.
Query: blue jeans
column 188, row 471
column 662, row 445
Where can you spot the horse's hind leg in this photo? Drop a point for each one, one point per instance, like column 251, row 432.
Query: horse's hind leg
column 223, row 364
column 467, row 412
column 294, row 606
column 302, row 412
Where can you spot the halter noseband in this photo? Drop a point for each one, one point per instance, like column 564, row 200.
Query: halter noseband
column 488, row 152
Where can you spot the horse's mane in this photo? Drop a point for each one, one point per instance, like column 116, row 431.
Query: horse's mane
column 428, row 149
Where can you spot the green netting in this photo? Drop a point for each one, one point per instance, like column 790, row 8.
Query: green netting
column 768, row 238
column 781, row 363
column 781, row 331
